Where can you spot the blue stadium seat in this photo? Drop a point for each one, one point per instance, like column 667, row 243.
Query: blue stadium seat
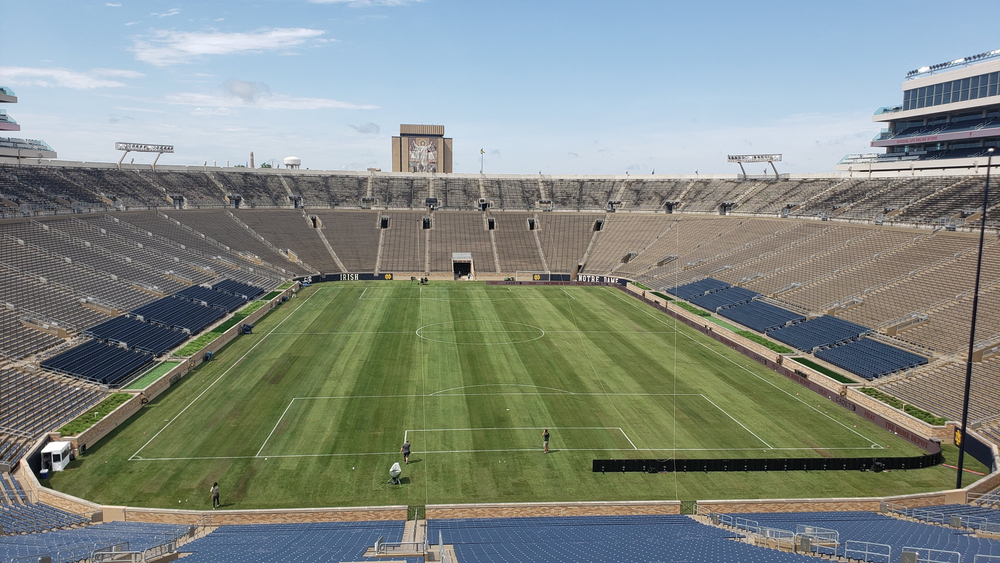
column 761, row 316
column 821, row 331
column 869, row 358
column 97, row 361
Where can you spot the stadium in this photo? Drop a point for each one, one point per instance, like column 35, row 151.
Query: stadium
column 723, row 367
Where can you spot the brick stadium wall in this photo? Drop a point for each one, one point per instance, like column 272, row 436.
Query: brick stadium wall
column 275, row 516
column 90, row 436
column 517, row 510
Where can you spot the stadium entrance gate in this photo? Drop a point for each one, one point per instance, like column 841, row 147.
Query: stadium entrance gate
column 461, row 265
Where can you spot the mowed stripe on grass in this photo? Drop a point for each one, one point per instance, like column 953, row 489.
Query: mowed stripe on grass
column 313, row 407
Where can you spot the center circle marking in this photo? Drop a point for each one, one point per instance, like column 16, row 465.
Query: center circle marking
column 491, row 332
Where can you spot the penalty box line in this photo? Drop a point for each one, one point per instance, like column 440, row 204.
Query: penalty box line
column 618, row 428
column 439, row 394
column 236, row 363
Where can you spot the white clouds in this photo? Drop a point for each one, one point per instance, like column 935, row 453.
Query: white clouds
column 113, row 4
column 64, row 78
column 367, row 128
column 242, row 94
column 366, row 3
column 249, row 92
column 167, row 14
column 164, row 48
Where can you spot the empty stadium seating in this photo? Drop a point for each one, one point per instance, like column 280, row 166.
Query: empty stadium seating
column 726, row 297
column 100, row 362
column 870, row 358
column 761, row 316
column 597, row 538
column 217, row 299
column 698, row 288
column 820, row 331
column 137, row 335
column 178, row 313
column 35, row 403
column 871, row 527
column 277, row 543
column 78, row 544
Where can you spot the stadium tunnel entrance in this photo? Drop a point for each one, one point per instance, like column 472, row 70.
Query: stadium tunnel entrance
column 461, row 265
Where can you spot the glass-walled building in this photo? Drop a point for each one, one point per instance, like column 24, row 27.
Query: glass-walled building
column 948, row 118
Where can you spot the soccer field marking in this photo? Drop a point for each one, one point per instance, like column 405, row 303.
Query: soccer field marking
column 566, row 292
column 236, row 363
column 723, row 411
column 412, row 332
column 363, row 294
column 593, row 369
column 283, row 413
column 560, row 391
column 618, row 428
column 641, row 308
column 532, row 329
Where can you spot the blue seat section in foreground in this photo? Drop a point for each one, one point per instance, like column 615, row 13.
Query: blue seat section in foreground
column 31, row 518
column 137, row 335
column 821, row 331
column 302, row 543
column 597, row 538
column 98, row 361
column 139, row 535
column 236, row 288
column 217, row 299
column 695, row 289
column 179, row 313
column 724, row 298
column 760, row 316
column 870, row 358
column 872, row 527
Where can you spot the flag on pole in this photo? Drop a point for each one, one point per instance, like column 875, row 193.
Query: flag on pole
column 481, row 151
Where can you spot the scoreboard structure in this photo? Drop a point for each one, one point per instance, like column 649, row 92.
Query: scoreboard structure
column 421, row 148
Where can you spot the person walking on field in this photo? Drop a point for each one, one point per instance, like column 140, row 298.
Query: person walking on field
column 215, row 495
column 545, row 440
column 406, row 452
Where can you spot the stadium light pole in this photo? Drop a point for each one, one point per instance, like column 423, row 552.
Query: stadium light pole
column 972, row 327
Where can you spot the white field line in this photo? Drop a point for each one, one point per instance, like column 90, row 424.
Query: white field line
column 436, row 394
column 358, row 454
column 627, row 438
column 730, row 360
column 564, row 291
column 275, row 426
column 512, row 331
column 363, row 294
column 236, row 363
column 723, row 411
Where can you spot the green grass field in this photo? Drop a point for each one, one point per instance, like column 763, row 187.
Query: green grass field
column 311, row 409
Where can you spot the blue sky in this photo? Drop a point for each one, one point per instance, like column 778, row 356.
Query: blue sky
column 554, row 86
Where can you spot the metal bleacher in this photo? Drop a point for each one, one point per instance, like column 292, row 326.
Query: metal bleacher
column 213, row 298
column 870, row 358
column 820, row 331
column 137, row 335
column 761, row 316
column 100, row 362
column 178, row 313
